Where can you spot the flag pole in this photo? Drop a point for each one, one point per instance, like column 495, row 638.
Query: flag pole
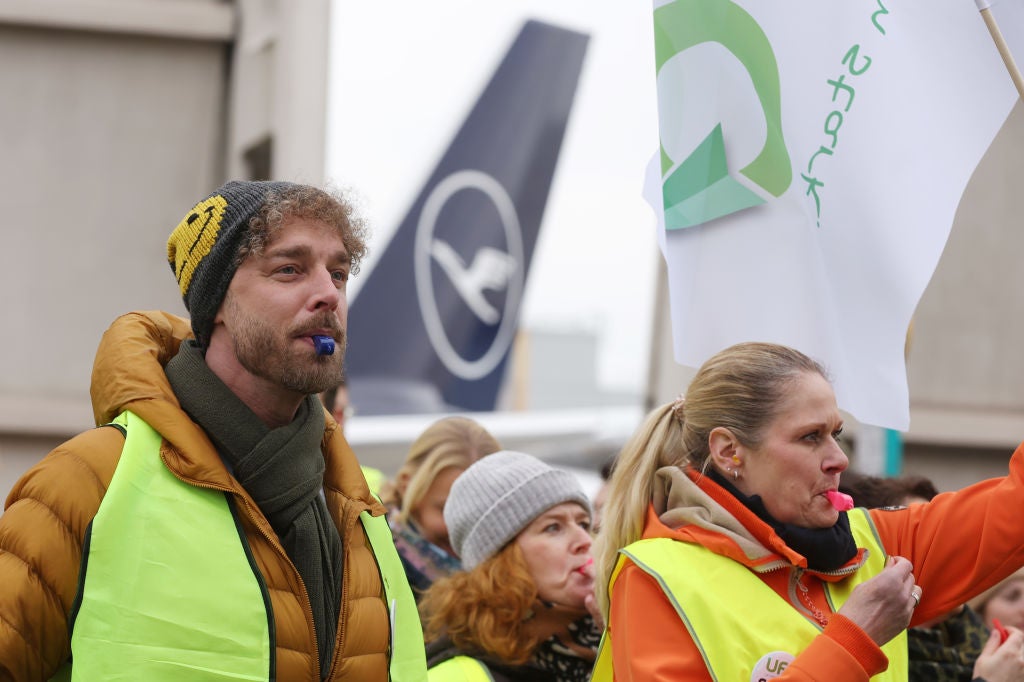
column 985, row 7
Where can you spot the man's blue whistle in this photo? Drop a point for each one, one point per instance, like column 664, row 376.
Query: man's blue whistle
column 324, row 345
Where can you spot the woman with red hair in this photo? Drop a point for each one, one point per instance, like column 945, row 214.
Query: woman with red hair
column 519, row 608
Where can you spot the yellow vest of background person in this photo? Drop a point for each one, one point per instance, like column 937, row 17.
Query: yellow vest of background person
column 744, row 630
column 374, row 479
column 156, row 539
column 459, row 669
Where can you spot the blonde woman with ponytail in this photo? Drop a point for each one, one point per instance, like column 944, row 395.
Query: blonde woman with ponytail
column 727, row 552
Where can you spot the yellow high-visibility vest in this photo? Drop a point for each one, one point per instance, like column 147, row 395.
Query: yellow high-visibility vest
column 169, row 590
column 459, row 669
column 743, row 629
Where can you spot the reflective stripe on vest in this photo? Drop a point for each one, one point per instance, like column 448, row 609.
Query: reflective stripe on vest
column 144, row 557
column 460, row 669
column 736, row 622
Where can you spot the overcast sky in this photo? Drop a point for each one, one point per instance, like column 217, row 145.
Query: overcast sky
column 403, row 76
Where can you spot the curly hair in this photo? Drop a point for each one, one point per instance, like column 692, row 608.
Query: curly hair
column 308, row 203
column 485, row 609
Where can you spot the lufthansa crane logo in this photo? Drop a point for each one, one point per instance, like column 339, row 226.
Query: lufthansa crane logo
column 489, row 269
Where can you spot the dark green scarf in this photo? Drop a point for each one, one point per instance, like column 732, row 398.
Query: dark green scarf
column 283, row 470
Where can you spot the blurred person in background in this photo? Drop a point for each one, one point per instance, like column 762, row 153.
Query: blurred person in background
column 601, row 496
column 521, row 607
column 336, row 400
column 879, row 492
column 1004, row 602
column 416, row 497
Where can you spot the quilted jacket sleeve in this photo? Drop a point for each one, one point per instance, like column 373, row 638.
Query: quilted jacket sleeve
column 41, row 532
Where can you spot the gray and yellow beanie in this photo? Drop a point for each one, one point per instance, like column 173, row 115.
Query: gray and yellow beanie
column 203, row 248
column 500, row 495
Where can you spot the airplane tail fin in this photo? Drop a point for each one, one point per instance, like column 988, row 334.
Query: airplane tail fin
column 433, row 325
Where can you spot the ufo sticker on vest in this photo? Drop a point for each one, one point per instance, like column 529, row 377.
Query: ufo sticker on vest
column 771, row 666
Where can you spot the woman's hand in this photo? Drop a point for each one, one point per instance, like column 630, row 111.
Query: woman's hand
column 883, row 605
column 1002, row 662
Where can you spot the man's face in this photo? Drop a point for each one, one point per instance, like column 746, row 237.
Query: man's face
column 277, row 301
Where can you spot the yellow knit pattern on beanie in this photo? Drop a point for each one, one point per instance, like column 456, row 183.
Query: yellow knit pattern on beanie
column 193, row 239
column 203, row 249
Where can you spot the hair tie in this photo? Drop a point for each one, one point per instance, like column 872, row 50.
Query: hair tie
column 677, row 407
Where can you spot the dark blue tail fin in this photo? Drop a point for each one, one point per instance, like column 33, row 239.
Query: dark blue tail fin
column 432, row 326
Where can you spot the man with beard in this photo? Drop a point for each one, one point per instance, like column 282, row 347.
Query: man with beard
column 216, row 525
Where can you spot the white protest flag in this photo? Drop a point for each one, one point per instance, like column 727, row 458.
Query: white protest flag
column 813, row 154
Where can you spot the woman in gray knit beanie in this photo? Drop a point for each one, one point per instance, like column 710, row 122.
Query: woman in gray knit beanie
column 519, row 608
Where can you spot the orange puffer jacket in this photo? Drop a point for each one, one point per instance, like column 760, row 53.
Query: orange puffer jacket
column 48, row 510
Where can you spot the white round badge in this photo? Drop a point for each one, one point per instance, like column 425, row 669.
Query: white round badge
column 771, row 666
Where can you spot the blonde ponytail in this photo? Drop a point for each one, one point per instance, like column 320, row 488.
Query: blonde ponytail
column 657, row 443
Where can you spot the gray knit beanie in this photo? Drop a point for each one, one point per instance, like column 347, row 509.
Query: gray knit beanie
column 203, row 249
column 498, row 496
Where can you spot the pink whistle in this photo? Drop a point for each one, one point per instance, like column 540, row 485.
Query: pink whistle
column 583, row 569
column 998, row 627
column 841, row 501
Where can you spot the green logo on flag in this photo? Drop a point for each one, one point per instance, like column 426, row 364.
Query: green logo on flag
column 700, row 188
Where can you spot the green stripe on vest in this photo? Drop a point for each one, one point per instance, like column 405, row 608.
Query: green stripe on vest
column 735, row 621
